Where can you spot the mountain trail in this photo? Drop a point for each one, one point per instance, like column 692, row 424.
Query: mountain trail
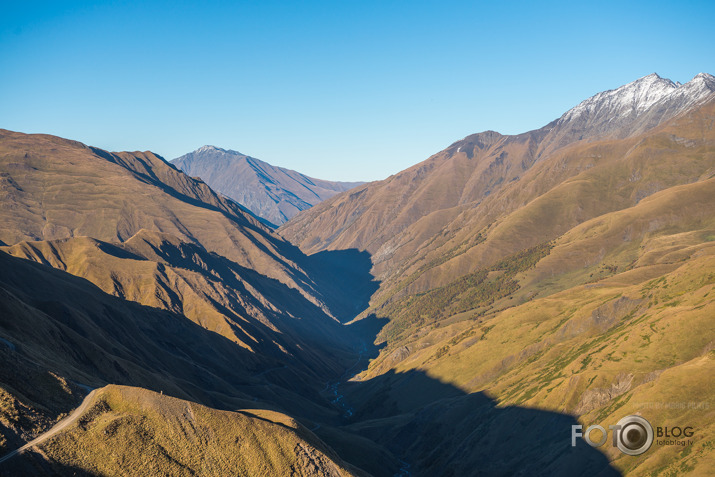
column 57, row 428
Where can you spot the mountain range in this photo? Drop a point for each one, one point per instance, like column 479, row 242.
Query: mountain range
column 457, row 318
column 274, row 194
column 575, row 231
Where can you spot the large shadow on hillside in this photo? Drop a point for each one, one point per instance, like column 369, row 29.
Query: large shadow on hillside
column 436, row 429
column 345, row 281
column 94, row 338
column 32, row 463
column 430, row 427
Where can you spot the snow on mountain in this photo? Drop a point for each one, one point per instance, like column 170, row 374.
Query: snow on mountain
column 692, row 92
column 630, row 109
column 633, row 98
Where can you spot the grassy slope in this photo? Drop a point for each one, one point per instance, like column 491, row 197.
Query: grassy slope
column 53, row 188
column 559, row 192
column 634, row 315
column 151, row 434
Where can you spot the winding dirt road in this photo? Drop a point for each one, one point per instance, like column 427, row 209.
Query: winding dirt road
column 88, row 400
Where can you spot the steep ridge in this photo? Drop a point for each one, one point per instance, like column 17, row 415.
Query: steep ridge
column 54, row 188
column 453, row 213
column 273, row 193
column 369, row 215
column 573, row 185
column 260, row 314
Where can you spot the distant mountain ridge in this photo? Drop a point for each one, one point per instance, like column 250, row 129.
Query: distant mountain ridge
column 275, row 194
column 374, row 216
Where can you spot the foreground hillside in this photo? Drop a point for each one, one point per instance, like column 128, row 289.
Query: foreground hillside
column 152, row 434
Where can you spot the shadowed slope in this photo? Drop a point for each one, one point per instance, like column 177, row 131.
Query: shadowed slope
column 64, row 330
column 158, row 270
column 467, row 434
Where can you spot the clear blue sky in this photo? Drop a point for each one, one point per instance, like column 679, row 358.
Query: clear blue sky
column 342, row 90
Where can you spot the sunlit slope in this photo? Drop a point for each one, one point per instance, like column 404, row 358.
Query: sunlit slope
column 370, row 215
column 558, row 193
column 625, row 325
column 461, row 228
column 53, row 188
column 670, row 225
column 626, row 346
column 134, row 430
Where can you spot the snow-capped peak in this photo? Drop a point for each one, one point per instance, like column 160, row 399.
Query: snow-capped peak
column 208, row 148
column 631, row 109
column 703, row 77
column 633, row 98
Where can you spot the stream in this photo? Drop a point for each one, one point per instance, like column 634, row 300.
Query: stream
column 334, row 388
column 337, row 398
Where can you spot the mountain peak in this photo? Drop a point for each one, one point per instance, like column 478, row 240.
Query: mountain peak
column 702, row 81
column 630, row 109
column 616, row 109
column 275, row 194
column 632, row 98
column 652, row 76
column 209, row 148
column 704, row 76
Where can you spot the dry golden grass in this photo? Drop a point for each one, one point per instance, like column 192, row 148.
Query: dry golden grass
column 145, row 433
column 628, row 329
